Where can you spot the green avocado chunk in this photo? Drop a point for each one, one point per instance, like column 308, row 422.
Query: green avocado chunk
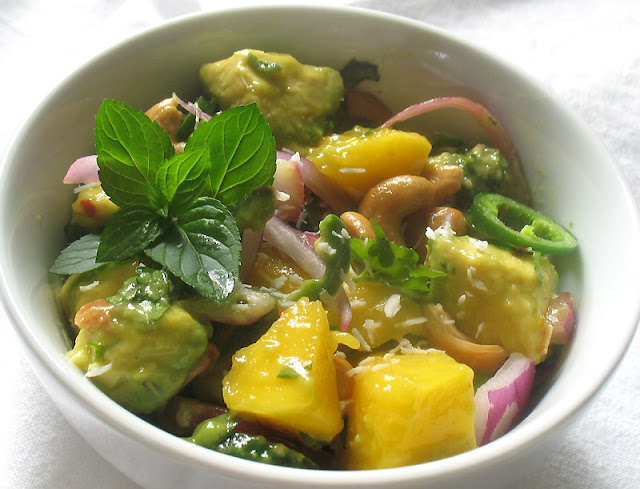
column 494, row 295
column 297, row 100
column 219, row 434
column 136, row 347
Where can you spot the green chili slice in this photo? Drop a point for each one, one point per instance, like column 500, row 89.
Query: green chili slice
column 515, row 224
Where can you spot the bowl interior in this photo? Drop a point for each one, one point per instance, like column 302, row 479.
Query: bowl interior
column 573, row 177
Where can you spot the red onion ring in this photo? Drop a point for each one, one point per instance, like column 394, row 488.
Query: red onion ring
column 319, row 184
column 501, row 400
column 494, row 130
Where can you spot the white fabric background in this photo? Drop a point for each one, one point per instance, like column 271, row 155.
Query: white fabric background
column 586, row 51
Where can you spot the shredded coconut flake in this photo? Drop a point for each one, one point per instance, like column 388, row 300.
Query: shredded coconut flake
column 411, row 322
column 478, row 284
column 94, row 372
column 443, row 231
column 80, row 188
column 363, row 344
column 479, row 244
column 392, row 305
column 370, row 326
column 84, row 288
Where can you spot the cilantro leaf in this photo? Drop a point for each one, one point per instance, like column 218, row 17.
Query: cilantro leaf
column 130, row 148
column 145, row 296
column 202, row 248
column 128, row 232
column 242, row 152
column 381, row 259
column 78, row 257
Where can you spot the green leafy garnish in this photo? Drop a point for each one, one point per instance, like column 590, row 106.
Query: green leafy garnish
column 78, row 257
column 380, row 259
column 262, row 66
column 242, row 152
column 174, row 207
column 287, row 372
column 144, row 298
column 202, row 248
column 334, row 249
column 130, row 148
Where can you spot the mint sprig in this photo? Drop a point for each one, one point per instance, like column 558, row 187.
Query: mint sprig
column 173, row 207
column 242, row 151
column 130, row 148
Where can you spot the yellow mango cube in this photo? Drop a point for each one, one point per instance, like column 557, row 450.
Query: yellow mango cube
column 360, row 158
column 408, row 409
column 287, row 379
column 381, row 314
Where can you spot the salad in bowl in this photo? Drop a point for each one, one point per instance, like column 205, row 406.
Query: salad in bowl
column 280, row 270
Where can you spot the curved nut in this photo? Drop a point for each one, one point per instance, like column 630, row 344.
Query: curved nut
column 440, row 216
column 389, row 202
column 168, row 117
column 447, row 180
column 345, row 381
column 441, row 331
column 357, row 225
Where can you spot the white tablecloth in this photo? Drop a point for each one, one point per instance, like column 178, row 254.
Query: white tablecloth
column 586, row 51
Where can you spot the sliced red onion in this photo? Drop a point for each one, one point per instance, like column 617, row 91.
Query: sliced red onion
column 293, row 243
column 560, row 316
column 296, row 245
column 192, row 108
column 501, row 400
column 84, row 170
column 288, row 180
column 319, row 184
column 494, row 130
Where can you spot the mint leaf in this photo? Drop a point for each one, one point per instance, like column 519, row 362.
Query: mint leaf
column 130, row 148
column 380, row 259
column 78, row 257
column 242, row 152
column 132, row 229
column 181, row 178
column 202, row 248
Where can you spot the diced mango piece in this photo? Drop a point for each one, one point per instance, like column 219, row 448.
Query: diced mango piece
column 409, row 409
column 273, row 269
column 360, row 158
column 287, row 378
column 381, row 314
column 495, row 296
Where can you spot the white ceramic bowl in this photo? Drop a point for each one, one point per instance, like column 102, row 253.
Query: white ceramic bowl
column 574, row 179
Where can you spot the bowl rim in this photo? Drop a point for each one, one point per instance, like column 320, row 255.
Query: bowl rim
column 156, row 439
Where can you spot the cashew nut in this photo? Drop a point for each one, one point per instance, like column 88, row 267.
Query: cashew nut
column 447, row 180
column 441, row 331
column 345, row 381
column 357, row 225
column 389, row 202
column 169, row 118
column 443, row 215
